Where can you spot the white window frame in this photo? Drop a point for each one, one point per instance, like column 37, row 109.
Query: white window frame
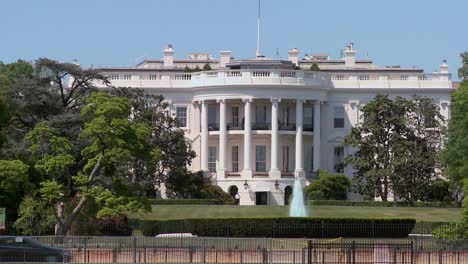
column 212, row 159
column 335, row 117
column 259, row 162
column 286, row 156
column 187, row 119
column 235, row 158
column 337, row 162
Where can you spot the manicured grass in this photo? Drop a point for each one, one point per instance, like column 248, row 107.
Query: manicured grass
column 221, row 211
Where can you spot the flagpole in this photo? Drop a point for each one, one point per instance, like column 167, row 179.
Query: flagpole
column 258, row 31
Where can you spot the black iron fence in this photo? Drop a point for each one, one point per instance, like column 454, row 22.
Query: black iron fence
column 186, row 249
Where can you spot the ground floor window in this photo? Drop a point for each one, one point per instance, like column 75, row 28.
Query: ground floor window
column 212, row 159
column 338, row 159
column 235, row 158
column 260, row 158
column 286, row 158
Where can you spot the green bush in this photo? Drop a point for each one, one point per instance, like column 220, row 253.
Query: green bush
column 451, row 231
column 184, row 202
column 383, row 203
column 328, row 187
column 440, row 191
column 286, row 227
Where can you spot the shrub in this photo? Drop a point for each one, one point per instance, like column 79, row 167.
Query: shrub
column 328, row 187
column 216, row 193
column 184, row 202
column 114, row 226
column 451, row 231
column 440, row 191
column 286, row 227
column 383, row 203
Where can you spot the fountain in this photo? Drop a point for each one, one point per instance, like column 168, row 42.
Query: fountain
column 297, row 207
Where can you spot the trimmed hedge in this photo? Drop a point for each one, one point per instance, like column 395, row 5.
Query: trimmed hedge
column 185, row 202
column 383, row 203
column 285, row 227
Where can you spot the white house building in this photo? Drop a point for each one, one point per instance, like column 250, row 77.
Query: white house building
column 256, row 124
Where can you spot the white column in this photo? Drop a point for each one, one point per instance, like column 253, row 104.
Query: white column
column 317, row 135
column 222, row 139
column 247, row 171
column 299, row 170
column 204, row 136
column 274, row 169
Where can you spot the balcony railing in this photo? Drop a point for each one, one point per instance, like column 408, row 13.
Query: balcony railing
column 261, row 126
column 213, row 126
column 287, row 126
column 308, row 127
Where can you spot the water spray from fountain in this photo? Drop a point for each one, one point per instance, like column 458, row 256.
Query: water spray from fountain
column 297, row 207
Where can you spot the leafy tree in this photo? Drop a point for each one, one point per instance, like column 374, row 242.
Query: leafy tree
column 455, row 154
column 328, row 187
column 440, row 191
column 207, row 67
column 463, row 70
column 36, row 217
column 314, row 67
column 396, row 148
column 184, row 184
column 14, row 184
column 111, row 140
column 167, row 141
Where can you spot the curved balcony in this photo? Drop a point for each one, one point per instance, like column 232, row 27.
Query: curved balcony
column 259, row 77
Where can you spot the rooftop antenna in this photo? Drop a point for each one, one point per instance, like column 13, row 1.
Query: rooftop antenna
column 259, row 54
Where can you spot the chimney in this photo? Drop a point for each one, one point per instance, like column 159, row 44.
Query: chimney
column 225, row 58
column 444, row 67
column 168, row 56
column 293, row 56
column 350, row 56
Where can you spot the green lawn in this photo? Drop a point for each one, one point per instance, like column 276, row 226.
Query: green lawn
column 218, row 211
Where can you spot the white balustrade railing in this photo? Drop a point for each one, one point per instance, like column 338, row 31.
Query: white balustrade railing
column 280, row 77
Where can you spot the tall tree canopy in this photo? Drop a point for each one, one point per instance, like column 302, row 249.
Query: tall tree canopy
column 78, row 146
column 396, row 147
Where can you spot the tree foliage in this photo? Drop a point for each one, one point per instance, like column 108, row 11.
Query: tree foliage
column 396, row 148
column 328, row 187
column 463, row 70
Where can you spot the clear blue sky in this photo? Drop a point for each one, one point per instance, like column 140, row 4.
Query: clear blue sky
column 115, row 33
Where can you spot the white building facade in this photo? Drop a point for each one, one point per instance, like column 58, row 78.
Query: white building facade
column 258, row 124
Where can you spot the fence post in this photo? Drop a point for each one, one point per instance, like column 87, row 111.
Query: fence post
column 84, row 249
column 353, row 249
column 412, row 252
column 203, row 259
column 271, row 251
column 394, row 255
column 309, row 252
column 134, row 250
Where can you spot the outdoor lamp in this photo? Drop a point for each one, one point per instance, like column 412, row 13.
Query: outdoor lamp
column 276, row 185
column 246, row 185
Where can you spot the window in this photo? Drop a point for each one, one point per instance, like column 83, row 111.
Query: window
column 286, row 111
column 308, row 118
column 235, row 116
column 338, row 156
column 235, row 158
column 286, row 158
column 127, row 76
column 212, row 124
column 260, row 158
column 429, row 121
column 212, row 159
column 260, row 114
column 181, row 115
column 338, row 121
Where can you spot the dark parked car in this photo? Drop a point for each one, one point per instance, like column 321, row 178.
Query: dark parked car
column 25, row 249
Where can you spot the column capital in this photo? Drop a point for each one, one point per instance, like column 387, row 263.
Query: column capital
column 301, row 100
column 275, row 100
column 221, row 100
column 200, row 101
column 354, row 103
column 247, row 99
